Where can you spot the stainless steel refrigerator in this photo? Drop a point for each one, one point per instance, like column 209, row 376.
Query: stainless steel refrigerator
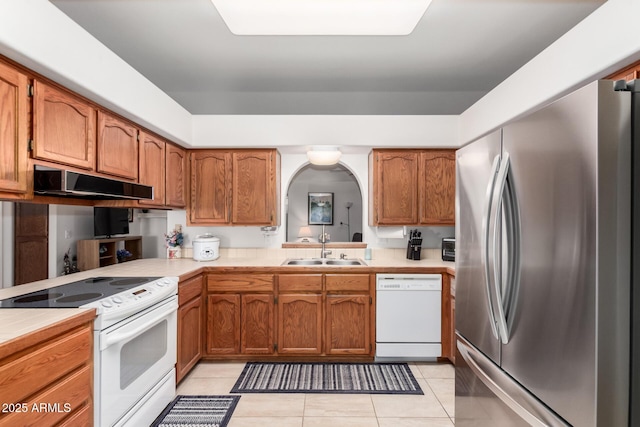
column 543, row 267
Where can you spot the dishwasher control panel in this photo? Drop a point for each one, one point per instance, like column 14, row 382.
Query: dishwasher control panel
column 413, row 282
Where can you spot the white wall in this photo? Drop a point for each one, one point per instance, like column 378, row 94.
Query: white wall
column 353, row 131
column 38, row 35
column 344, row 189
column 151, row 226
column 602, row 43
column 67, row 225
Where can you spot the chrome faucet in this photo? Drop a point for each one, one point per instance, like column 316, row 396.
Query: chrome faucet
column 322, row 238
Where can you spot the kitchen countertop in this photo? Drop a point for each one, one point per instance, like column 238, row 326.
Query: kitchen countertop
column 16, row 322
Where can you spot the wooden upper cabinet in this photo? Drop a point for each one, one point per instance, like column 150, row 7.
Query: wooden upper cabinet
column 64, row 127
column 176, row 177
column 412, row 187
column 210, row 187
column 234, row 187
column 630, row 72
column 395, row 187
column 253, row 192
column 437, row 187
column 152, row 167
column 117, row 147
column 13, row 132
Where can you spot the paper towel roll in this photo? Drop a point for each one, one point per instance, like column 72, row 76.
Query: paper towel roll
column 391, row 232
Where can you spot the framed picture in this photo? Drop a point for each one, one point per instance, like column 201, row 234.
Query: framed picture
column 320, row 208
column 130, row 214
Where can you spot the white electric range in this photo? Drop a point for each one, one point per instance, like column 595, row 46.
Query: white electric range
column 135, row 334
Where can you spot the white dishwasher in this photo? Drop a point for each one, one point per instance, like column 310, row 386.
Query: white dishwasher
column 408, row 316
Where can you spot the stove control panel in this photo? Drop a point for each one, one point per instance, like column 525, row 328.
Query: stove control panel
column 134, row 300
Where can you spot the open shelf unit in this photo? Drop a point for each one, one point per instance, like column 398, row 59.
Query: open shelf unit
column 94, row 253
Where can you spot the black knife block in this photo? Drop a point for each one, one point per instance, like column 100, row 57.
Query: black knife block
column 414, row 247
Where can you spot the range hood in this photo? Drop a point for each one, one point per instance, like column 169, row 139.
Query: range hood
column 60, row 182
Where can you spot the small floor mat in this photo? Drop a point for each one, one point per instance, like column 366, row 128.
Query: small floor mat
column 369, row 378
column 201, row 411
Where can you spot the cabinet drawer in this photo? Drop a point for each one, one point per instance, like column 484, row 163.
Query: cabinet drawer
column 347, row 282
column 300, row 283
column 240, row 282
column 35, row 370
column 48, row 408
column 189, row 289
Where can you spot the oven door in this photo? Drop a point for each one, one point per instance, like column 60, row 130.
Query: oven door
column 132, row 357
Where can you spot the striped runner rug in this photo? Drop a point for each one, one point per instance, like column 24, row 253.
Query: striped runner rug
column 200, row 411
column 370, row 378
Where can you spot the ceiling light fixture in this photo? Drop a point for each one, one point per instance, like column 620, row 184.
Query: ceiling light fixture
column 321, row 17
column 324, row 155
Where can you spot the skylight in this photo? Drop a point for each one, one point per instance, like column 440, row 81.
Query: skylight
column 321, row 17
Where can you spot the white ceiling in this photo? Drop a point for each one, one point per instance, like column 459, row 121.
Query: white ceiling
column 459, row 51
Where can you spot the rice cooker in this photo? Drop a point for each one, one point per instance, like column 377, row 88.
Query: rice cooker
column 206, row 247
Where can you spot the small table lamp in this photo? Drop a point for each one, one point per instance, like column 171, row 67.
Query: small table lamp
column 304, row 233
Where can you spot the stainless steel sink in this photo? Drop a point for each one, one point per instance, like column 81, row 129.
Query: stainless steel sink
column 344, row 262
column 323, row 261
column 303, row 262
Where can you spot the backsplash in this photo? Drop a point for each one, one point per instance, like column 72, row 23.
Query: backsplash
column 264, row 253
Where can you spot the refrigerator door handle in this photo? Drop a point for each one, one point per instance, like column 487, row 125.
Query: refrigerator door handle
column 516, row 397
column 504, row 196
column 512, row 232
column 486, row 232
column 496, row 245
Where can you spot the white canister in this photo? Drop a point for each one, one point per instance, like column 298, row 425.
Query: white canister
column 206, row 247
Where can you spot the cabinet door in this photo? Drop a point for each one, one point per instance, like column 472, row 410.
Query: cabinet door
column 152, row 162
column 254, row 193
column 395, row 187
column 189, row 336
column 13, row 132
column 117, row 147
column 223, row 324
column 176, row 176
column 300, row 324
column 348, row 324
column 210, row 187
column 437, row 187
column 64, row 128
column 257, row 324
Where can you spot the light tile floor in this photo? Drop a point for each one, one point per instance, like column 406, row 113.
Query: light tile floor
column 434, row 409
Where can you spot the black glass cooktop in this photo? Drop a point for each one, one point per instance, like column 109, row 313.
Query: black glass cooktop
column 76, row 294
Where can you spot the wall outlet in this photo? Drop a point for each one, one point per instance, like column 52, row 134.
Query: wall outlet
column 67, row 234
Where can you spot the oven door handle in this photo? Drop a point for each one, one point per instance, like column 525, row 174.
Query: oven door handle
column 116, row 337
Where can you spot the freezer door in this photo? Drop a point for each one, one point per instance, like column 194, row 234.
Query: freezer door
column 565, row 164
column 487, row 397
column 476, row 171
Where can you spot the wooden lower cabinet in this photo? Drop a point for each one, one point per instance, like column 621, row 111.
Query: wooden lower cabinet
column 448, row 331
column 51, row 366
column 223, row 324
column 347, row 325
column 300, row 311
column 256, row 324
column 293, row 315
column 240, row 314
column 190, row 326
column 300, row 324
column 240, row 324
column 348, row 312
